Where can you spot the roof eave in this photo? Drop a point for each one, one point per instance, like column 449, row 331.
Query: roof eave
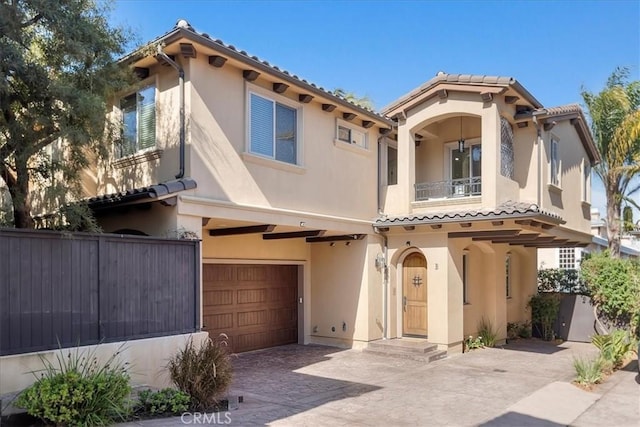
column 486, row 217
column 179, row 33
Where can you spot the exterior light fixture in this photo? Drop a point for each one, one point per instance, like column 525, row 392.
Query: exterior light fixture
column 461, row 140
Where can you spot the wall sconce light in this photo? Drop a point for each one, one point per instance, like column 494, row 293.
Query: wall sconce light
column 379, row 261
column 461, row 140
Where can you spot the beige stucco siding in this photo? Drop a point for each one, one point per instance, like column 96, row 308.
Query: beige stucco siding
column 332, row 177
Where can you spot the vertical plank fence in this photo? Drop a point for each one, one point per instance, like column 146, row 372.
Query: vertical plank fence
column 68, row 289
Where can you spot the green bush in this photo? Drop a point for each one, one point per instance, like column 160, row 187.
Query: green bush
column 487, row 333
column 168, row 401
column 203, row 372
column 525, row 330
column 588, row 372
column 614, row 285
column 561, row 280
column 614, row 347
column 79, row 391
column 544, row 312
column 471, row 343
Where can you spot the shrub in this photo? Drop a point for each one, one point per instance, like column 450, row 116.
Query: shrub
column 544, row 312
column 203, row 372
column 565, row 281
column 614, row 347
column 78, row 391
column 614, row 285
column 588, row 372
column 487, row 333
column 525, row 330
column 168, row 401
column 473, row 343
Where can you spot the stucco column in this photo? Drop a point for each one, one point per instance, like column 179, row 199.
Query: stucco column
column 490, row 122
column 455, row 301
column 406, row 166
column 497, row 297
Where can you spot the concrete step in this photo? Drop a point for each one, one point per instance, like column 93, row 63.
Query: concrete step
column 403, row 345
column 406, row 348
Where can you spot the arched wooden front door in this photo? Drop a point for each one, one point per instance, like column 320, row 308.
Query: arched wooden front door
column 414, row 295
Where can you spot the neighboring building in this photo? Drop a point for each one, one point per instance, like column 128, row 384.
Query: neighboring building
column 570, row 258
column 304, row 201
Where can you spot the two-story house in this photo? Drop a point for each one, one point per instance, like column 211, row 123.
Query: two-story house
column 324, row 222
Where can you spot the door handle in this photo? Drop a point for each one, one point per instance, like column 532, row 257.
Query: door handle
column 404, row 303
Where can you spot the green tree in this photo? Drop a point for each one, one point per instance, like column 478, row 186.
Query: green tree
column 615, row 124
column 57, row 70
column 362, row 101
column 627, row 218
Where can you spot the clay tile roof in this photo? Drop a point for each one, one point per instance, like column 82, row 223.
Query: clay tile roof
column 463, row 79
column 508, row 209
column 134, row 194
column 563, row 109
column 186, row 30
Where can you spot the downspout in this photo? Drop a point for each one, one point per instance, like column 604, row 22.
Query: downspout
column 385, row 249
column 539, row 142
column 180, row 71
column 385, row 283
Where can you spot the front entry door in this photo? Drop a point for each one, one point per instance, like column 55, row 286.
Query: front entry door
column 414, row 296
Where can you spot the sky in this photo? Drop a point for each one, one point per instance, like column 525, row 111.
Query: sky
column 384, row 49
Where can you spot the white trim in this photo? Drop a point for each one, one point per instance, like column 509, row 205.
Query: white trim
column 212, row 260
column 353, row 127
column 272, row 163
column 354, row 148
column 280, row 99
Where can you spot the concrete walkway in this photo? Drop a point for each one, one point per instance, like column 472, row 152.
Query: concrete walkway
column 523, row 384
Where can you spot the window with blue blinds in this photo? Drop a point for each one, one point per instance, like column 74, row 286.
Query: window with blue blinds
column 138, row 121
column 273, row 129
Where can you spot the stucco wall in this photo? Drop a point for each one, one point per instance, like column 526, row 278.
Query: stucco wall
column 566, row 200
column 219, row 152
column 146, row 358
column 345, row 292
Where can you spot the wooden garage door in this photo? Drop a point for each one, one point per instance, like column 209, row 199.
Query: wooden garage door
column 255, row 305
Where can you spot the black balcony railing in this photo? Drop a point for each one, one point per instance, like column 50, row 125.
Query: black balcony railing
column 452, row 188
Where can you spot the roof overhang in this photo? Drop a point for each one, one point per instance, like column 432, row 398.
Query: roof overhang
column 142, row 195
column 145, row 56
column 460, row 83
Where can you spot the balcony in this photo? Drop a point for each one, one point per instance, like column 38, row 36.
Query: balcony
column 453, row 188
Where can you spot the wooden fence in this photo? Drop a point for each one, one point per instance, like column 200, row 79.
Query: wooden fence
column 68, row 289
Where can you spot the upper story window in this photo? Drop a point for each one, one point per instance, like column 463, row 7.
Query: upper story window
column 138, row 121
column 586, row 181
column 506, row 148
column 392, row 165
column 350, row 134
column 273, row 129
column 555, row 163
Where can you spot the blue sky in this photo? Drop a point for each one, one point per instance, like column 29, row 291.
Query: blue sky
column 384, row 49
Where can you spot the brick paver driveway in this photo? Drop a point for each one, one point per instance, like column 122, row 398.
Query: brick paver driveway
column 324, row 386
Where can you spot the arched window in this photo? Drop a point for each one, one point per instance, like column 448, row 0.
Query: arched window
column 506, row 148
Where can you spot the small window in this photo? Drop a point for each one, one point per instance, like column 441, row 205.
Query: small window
column 555, row 163
column 586, row 181
column 392, row 165
column 465, row 278
column 507, row 265
column 351, row 134
column 138, row 121
column 273, row 129
column 566, row 258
